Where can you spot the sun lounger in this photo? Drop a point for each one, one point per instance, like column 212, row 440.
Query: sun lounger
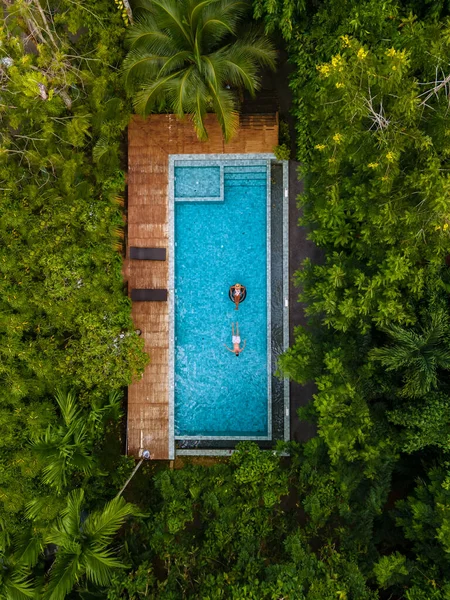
column 147, row 253
column 149, row 295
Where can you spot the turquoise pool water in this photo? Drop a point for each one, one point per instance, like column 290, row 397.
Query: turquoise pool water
column 216, row 245
column 197, row 182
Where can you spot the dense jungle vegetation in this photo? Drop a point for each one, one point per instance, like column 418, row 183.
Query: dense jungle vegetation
column 362, row 510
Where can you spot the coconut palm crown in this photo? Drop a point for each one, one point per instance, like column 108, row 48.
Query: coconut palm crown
column 185, row 56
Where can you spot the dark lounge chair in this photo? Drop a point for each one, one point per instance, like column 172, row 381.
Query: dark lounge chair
column 149, row 295
column 147, row 253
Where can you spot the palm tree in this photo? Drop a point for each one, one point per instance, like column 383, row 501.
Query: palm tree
column 83, row 546
column 14, row 581
column 15, row 563
column 419, row 354
column 67, row 446
column 186, row 56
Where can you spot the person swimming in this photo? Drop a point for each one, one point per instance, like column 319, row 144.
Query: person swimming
column 237, row 294
column 236, row 340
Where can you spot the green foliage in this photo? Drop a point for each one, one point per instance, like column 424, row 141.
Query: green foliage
column 228, row 531
column 65, row 320
column 15, row 583
column 391, row 570
column 418, row 355
column 425, row 519
column 67, row 446
column 282, row 152
column 425, row 425
column 280, row 13
column 362, row 509
column 83, row 544
column 189, row 57
column 380, row 209
column 372, row 126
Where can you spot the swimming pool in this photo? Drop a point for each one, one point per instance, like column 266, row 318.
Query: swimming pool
column 221, row 213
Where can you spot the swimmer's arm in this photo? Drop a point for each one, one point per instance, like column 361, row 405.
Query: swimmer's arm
column 229, row 349
column 243, row 346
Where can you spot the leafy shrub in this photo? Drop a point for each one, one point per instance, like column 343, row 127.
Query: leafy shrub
column 282, row 152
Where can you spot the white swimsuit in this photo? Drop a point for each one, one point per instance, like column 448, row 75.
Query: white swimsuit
column 236, row 339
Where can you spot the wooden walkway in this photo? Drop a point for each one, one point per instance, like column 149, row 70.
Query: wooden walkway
column 150, row 142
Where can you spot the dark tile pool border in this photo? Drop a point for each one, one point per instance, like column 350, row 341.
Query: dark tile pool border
column 221, row 160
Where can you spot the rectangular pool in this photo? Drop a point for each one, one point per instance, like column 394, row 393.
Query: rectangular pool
column 221, row 217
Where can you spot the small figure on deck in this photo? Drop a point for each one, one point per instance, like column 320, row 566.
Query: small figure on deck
column 236, row 340
column 237, row 293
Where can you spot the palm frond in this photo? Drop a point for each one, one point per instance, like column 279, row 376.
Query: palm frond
column 220, row 19
column 144, row 30
column 28, row 546
column 46, row 443
column 243, row 59
column 169, row 16
column 17, row 586
column 5, row 536
column 101, row 149
column 242, row 73
column 154, row 94
column 63, row 575
column 197, row 109
column 102, row 525
column 181, row 92
column 67, row 404
column 70, row 519
column 54, row 474
column 102, row 410
column 174, row 62
column 257, row 47
column 83, row 462
column 64, row 447
column 213, row 71
column 140, row 65
column 100, row 565
column 114, row 405
column 195, row 10
column 225, row 109
column 35, row 507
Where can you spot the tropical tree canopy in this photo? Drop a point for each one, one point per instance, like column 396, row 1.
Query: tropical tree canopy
column 65, row 446
column 185, row 57
column 418, row 354
column 83, row 544
column 14, row 579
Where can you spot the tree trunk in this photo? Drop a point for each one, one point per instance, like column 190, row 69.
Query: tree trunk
column 128, row 9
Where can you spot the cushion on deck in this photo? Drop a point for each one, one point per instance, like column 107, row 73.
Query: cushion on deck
column 149, row 295
column 147, row 253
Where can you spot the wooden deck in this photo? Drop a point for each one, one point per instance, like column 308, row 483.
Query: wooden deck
column 150, row 142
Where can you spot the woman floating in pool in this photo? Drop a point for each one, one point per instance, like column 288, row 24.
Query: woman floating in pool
column 236, row 340
column 237, row 294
